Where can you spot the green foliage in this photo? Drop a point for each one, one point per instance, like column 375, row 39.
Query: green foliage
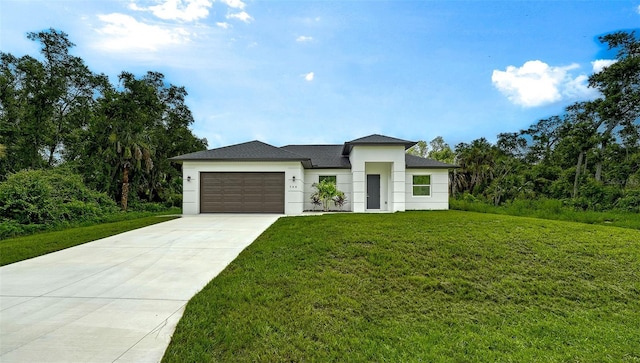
column 420, row 149
column 420, row 286
column 589, row 156
column 55, row 111
column 554, row 209
column 50, row 196
column 327, row 192
column 441, row 151
column 630, row 201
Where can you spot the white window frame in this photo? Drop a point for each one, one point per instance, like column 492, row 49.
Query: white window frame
column 413, row 185
column 320, row 177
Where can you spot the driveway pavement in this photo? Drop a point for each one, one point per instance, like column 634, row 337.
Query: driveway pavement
column 117, row 299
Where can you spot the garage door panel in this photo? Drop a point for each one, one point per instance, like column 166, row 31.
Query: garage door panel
column 241, row 192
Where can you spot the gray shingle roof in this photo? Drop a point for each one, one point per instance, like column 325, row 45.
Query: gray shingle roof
column 248, row 151
column 311, row 156
column 416, row 162
column 322, row 156
column 376, row 139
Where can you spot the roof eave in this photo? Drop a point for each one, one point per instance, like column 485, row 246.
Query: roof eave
column 240, row 159
column 433, row 167
column 329, row 167
column 348, row 146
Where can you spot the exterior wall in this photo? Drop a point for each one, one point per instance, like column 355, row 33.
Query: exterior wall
column 293, row 200
column 439, row 198
column 344, row 181
column 375, row 156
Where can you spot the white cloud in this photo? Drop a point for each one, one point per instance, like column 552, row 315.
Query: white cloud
column 223, row 25
column 242, row 16
column 536, row 84
column 184, row 10
column 236, row 4
column 309, row 76
column 134, row 6
column 599, row 64
column 638, row 9
column 578, row 89
column 303, row 39
column 123, row 32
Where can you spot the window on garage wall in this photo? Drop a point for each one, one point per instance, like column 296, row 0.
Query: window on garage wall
column 422, row 185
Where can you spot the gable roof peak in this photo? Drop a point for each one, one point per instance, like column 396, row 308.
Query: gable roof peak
column 376, row 139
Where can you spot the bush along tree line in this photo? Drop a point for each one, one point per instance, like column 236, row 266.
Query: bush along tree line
column 56, row 114
column 588, row 157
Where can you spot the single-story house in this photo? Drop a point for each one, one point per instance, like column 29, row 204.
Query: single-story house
column 375, row 173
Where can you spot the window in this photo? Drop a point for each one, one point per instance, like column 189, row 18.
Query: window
column 422, row 185
column 329, row 178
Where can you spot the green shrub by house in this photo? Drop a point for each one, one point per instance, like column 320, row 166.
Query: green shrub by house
column 33, row 199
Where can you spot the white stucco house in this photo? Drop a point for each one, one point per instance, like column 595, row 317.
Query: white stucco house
column 375, row 173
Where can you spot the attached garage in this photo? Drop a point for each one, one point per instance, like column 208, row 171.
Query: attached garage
column 242, row 192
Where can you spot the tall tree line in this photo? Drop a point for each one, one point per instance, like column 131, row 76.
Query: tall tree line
column 56, row 112
column 588, row 156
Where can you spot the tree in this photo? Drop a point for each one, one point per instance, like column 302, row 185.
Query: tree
column 55, row 112
column 70, row 89
column 619, row 84
column 544, row 136
column 44, row 101
column 476, row 161
column 128, row 115
column 441, row 151
column 172, row 137
column 22, row 109
column 136, row 128
column 419, row 149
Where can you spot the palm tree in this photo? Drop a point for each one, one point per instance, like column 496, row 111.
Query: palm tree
column 131, row 115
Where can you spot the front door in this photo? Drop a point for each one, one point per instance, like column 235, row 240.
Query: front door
column 373, row 191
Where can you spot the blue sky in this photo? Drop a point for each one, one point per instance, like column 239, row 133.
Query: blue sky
column 292, row 72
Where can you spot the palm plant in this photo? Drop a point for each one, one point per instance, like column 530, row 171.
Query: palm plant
column 326, row 191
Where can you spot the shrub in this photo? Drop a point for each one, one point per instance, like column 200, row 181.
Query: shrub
column 326, row 191
column 630, row 201
column 52, row 196
column 139, row 206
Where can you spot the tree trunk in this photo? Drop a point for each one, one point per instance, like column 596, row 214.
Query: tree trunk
column 585, row 166
column 52, row 151
column 452, row 181
column 125, row 187
column 575, row 181
column 599, row 162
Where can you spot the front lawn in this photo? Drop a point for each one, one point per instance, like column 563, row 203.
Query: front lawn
column 421, row 286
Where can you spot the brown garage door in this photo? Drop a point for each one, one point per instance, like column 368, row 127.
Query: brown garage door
column 241, row 192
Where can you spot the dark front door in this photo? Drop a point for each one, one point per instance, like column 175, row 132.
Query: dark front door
column 373, row 191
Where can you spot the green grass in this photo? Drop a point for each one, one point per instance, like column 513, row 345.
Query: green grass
column 12, row 229
column 551, row 209
column 446, row 286
column 22, row 248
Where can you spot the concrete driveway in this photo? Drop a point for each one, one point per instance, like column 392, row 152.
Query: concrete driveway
column 117, row 299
